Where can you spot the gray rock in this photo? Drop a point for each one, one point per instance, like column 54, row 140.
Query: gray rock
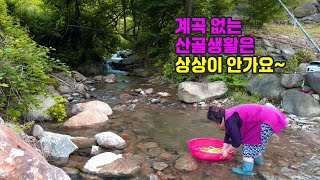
column 311, row 19
column 87, row 95
column 155, row 101
column 287, row 53
column 1, row 121
column 316, row 97
column 268, row 86
column 313, row 80
column 159, row 166
column 64, row 89
column 131, row 107
column 305, row 10
column 75, row 94
column 152, row 177
column 191, row 92
column 300, row 104
column 266, row 43
column 293, row 80
column 52, row 90
column 149, row 91
column 281, row 45
column 37, row 130
column 40, row 114
column 78, row 76
column 95, row 150
column 111, row 165
column 73, row 173
column 110, row 140
column 56, row 147
column 303, row 68
column 111, row 78
column 186, row 163
column 83, row 142
column 140, row 72
column 80, row 87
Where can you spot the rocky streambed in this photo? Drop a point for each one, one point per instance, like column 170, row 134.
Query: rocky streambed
column 135, row 129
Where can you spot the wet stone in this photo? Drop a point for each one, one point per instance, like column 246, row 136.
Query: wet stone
column 266, row 176
column 37, row 130
column 155, row 101
column 154, row 152
column 159, row 166
column 151, row 177
column 75, row 94
column 90, row 177
column 73, row 173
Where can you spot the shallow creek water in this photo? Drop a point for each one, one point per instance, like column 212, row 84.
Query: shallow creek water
column 294, row 157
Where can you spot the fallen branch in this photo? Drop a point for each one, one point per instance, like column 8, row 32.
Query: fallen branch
column 70, row 86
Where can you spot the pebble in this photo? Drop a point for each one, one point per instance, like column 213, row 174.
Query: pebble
column 138, row 90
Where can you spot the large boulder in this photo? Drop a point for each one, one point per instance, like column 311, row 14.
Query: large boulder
column 56, row 147
column 313, row 80
column 87, row 119
column 305, row 10
column 111, row 165
column 191, row 92
column 293, row 80
column 268, row 86
column 97, row 105
column 299, row 103
column 18, row 160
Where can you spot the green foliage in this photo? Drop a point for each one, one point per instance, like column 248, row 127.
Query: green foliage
column 79, row 30
column 241, row 97
column 234, row 82
column 21, row 128
column 24, row 65
column 304, row 56
column 58, row 109
column 300, row 56
column 213, row 8
column 264, row 11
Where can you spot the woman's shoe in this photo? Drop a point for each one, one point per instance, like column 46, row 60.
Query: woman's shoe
column 246, row 169
column 258, row 161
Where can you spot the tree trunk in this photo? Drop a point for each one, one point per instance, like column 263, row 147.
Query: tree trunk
column 124, row 4
column 189, row 7
column 133, row 17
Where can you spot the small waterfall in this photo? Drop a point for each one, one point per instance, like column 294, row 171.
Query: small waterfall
column 109, row 68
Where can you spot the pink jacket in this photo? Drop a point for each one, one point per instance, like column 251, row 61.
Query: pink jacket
column 252, row 116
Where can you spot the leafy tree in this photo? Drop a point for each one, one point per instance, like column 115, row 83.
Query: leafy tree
column 264, row 11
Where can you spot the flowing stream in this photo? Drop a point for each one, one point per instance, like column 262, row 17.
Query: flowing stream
column 294, row 157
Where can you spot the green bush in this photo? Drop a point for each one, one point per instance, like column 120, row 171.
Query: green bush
column 300, row 56
column 58, row 109
column 24, row 65
column 234, row 82
column 241, row 97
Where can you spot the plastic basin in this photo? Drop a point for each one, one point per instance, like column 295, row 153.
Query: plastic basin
column 196, row 143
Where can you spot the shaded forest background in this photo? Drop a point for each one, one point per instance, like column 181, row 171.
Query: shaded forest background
column 38, row 37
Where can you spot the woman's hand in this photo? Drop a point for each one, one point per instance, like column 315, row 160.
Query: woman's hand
column 224, row 155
